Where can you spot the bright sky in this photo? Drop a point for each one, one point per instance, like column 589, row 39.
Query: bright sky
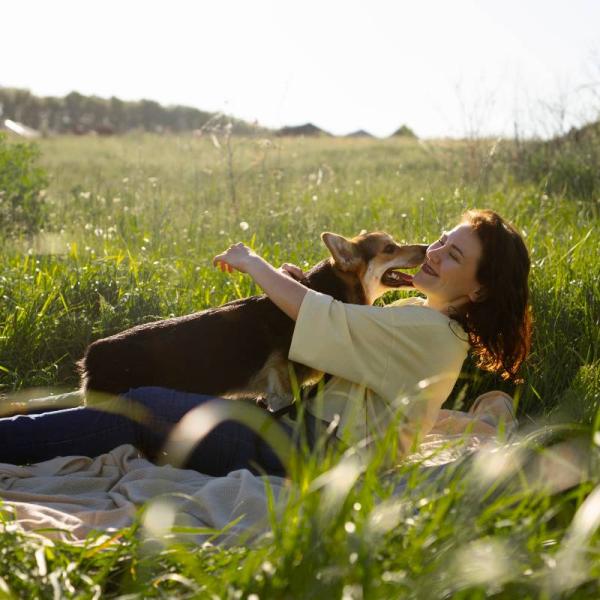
column 444, row 67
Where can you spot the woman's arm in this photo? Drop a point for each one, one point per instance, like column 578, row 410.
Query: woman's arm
column 285, row 292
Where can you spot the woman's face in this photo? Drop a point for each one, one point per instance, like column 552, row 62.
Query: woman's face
column 447, row 277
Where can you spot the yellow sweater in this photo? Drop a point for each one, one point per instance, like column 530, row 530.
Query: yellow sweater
column 404, row 356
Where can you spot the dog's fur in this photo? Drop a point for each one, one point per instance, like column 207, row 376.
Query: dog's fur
column 242, row 346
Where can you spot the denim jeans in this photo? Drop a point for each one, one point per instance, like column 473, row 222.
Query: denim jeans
column 94, row 430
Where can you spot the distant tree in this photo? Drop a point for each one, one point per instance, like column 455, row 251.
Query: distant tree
column 404, row 131
column 76, row 113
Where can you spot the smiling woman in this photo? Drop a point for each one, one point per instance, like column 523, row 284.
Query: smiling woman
column 391, row 367
column 474, row 276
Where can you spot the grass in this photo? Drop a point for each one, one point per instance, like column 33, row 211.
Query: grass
column 132, row 225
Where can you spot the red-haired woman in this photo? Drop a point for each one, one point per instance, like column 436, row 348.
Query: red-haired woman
column 402, row 359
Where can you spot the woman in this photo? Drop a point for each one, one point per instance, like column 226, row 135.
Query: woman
column 401, row 359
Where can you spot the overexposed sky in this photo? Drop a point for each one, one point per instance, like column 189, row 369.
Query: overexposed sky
column 444, row 67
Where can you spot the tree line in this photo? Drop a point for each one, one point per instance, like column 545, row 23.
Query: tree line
column 76, row 113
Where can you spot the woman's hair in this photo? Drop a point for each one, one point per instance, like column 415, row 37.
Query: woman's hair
column 499, row 323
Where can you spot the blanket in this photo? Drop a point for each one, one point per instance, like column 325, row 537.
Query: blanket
column 72, row 496
column 69, row 497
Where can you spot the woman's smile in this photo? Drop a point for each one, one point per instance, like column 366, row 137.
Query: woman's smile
column 426, row 268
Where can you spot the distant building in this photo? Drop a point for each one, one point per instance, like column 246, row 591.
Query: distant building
column 19, row 129
column 361, row 133
column 308, row 129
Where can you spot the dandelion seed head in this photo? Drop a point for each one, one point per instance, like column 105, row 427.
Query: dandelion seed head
column 349, row 527
column 352, row 592
column 159, row 518
column 483, row 561
column 268, row 567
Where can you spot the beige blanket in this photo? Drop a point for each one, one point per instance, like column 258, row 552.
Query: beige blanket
column 75, row 495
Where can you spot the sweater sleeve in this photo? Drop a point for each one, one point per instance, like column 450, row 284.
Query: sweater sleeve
column 388, row 350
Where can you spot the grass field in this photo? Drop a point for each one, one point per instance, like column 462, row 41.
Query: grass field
column 131, row 226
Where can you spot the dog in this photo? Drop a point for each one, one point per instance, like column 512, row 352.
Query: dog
column 240, row 349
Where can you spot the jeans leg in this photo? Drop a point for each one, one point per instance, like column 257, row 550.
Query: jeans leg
column 229, row 446
column 95, row 430
column 74, row 431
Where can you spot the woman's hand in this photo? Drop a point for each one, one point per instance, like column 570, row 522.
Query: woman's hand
column 278, row 284
column 238, row 257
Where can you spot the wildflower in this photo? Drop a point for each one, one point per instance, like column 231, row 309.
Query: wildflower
column 268, row 567
column 244, row 226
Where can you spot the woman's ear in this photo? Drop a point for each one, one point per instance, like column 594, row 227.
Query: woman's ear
column 478, row 295
column 343, row 251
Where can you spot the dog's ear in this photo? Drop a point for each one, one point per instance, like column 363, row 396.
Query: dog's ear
column 344, row 252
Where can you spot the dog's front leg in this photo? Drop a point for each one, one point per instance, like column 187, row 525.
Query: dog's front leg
column 279, row 394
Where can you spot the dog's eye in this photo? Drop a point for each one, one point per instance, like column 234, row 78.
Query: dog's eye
column 389, row 249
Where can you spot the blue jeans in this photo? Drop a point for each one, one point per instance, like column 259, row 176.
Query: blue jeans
column 94, row 430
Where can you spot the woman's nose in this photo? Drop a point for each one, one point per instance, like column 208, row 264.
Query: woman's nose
column 432, row 253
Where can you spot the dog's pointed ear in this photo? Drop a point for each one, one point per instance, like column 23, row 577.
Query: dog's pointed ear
column 345, row 253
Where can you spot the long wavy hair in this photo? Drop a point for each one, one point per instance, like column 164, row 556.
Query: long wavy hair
column 499, row 323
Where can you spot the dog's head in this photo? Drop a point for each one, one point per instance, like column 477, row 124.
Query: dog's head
column 376, row 259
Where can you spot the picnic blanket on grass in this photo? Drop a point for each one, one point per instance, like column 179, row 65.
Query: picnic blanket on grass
column 77, row 495
column 71, row 496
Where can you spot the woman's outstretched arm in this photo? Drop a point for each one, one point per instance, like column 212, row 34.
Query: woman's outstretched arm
column 284, row 291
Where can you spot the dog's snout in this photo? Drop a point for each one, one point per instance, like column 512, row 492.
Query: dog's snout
column 415, row 254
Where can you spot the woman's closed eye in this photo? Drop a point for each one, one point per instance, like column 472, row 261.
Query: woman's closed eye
column 453, row 254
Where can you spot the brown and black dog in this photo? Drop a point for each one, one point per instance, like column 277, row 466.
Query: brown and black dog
column 241, row 348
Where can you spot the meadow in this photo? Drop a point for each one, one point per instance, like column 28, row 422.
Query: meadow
column 130, row 226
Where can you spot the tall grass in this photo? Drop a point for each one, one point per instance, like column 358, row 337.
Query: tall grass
column 132, row 225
